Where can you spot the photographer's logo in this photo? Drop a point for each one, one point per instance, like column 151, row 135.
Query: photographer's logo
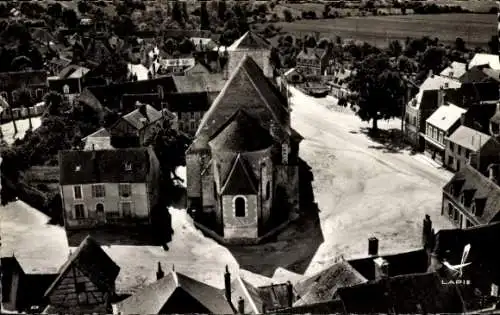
column 457, row 270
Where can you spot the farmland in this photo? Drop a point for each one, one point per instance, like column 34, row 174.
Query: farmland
column 475, row 29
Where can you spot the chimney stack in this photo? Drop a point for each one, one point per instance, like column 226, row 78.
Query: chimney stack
column 431, row 75
column 427, row 233
column 227, row 284
column 289, row 289
column 373, row 246
column 159, row 273
column 241, row 306
column 441, row 97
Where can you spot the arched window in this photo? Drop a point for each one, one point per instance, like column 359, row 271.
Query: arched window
column 268, row 190
column 65, row 89
column 99, row 208
column 239, row 207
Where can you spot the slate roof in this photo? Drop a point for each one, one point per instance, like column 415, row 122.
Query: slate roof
column 268, row 103
column 241, row 179
column 104, row 166
column 241, row 133
column 188, row 102
column 323, row 286
column 152, row 298
column 250, row 41
column 135, row 116
column 468, row 178
column 408, row 294
column 71, row 69
column 474, row 75
column 485, row 59
column 213, row 82
column 435, row 82
column 93, row 262
column 446, row 116
column 455, row 70
column 469, row 138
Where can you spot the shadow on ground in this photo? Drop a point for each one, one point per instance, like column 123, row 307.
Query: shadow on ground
column 390, row 140
column 294, row 247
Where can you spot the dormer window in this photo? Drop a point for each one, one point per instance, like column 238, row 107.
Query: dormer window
column 128, row 166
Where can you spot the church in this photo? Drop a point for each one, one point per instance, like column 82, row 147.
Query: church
column 242, row 167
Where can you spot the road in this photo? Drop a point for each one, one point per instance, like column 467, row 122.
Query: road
column 361, row 189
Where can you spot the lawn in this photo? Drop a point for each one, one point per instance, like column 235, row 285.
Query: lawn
column 475, row 29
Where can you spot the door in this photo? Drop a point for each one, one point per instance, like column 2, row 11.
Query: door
column 99, row 209
column 127, row 209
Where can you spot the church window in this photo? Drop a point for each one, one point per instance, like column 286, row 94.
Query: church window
column 239, row 207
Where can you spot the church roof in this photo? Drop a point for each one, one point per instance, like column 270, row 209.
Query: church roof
column 250, row 41
column 241, row 133
column 240, row 180
column 247, row 89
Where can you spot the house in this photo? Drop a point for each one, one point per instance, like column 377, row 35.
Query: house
column 480, row 85
column 481, row 59
column 467, row 145
column 455, row 70
column 137, row 127
column 69, row 88
column 35, row 81
column 108, row 187
column 56, row 65
column 189, row 109
column 85, row 283
column 313, row 61
column 138, row 71
column 175, row 293
column 21, row 291
column 202, row 44
column 174, row 66
column 242, row 164
column 339, row 87
column 471, row 199
column 99, row 140
column 254, row 46
column 441, row 124
column 209, row 83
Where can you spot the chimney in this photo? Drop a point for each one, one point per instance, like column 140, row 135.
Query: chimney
column 241, row 306
column 289, row 289
column 227, row 284
column 381, row 268
column 159, row 273
column 441, row 97
column 427, row 233
column 373, row 246
column 431, row 75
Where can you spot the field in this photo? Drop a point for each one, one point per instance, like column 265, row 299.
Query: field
column 475, row 29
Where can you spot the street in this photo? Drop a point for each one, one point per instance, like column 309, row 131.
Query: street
column 361, row 189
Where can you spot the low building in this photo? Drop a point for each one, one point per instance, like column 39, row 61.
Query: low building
column 137, row 127
column 108, row 187
column 189, row 109
column 441, row 124
column 480, row 85
column 313, row 61
column 339, row 87
column 471, row 199
column 69, row 88
column 85, row 283
column 467, row 144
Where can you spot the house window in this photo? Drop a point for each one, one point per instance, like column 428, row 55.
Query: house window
column 126, row 209
column 77, row 192
column 125, row 190
column 467, row 153
column 450, row 210
column 455, row 217
column 98, row 191
column 66, row 89
column 268, row 190
column 239, row 207
column 440, row 139
column 192, row 125
column 414, row 120
column 433, row 132
column 79, row 212
column 459, row 150
column 99, row 208
column 473, row 208
column 452, row 146
column 128, row 166
column 39, row 93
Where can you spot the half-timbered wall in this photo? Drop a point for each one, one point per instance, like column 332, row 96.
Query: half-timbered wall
column 75, row 291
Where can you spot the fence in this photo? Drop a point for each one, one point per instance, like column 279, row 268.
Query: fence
column 21, row 113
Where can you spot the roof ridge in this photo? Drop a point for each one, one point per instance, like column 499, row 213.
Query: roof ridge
column 237, row 161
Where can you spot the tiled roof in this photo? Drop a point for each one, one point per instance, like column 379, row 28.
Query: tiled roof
column 435, row 82
column 135, row 116
column 408, row 294
column 188, row 102
column 467, row 178
column 104, row 166
column 485, row 59
column 213, row 82
column 250, row 41
column 455, row 70
column 93, row 262
column 249, row 89
column 241, row 133
column 323, row 286
column 152, row 298
column 446, row 116
column 492, row 73
column 241, row 179
column 469, row 138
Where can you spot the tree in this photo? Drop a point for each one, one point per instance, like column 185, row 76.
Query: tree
column 22, row 98
column 55, row 10
column 434, row 59
column 53, row 102
column 288, row 15
column 70, row 18
column 493, row 44
column 83, row 7
column 204, row 17
column 378, row 90
column 221, row 9
column 186, row 46
column 460, row 44
column 395, row 48
column 177, row 12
